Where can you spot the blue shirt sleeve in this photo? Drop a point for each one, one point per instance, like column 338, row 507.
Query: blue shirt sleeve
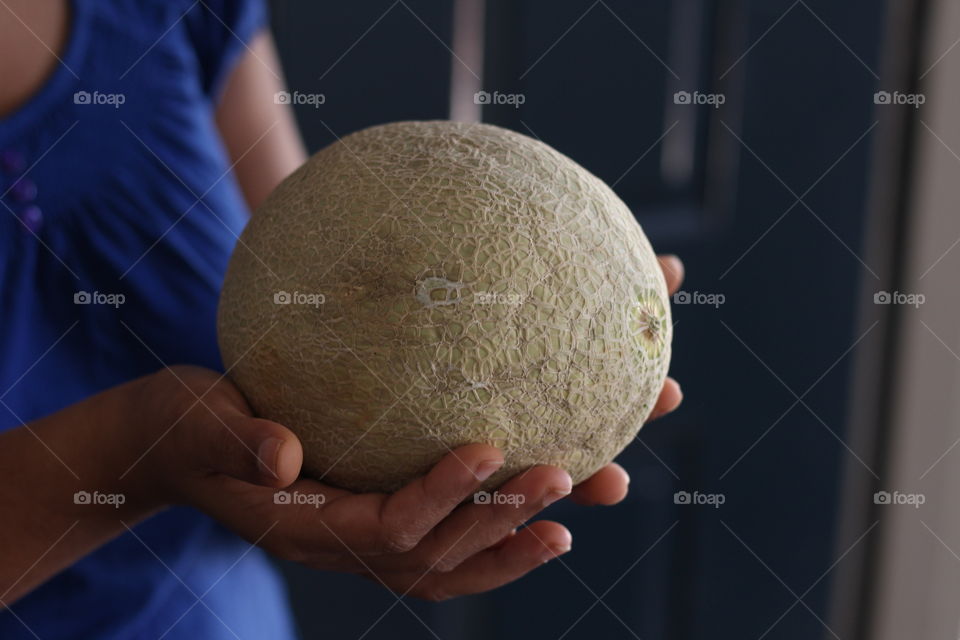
column 220, row 31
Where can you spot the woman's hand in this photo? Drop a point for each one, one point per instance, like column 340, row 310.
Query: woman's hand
column 421, row 540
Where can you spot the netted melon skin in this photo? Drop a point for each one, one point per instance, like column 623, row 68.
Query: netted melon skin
column 477, row 286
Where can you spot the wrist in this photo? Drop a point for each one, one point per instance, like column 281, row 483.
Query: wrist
column 124, row 473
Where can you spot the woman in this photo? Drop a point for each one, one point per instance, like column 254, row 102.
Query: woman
column 135, row 136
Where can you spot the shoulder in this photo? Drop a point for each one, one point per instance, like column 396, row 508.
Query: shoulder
column 211, row 32
column 219, row 31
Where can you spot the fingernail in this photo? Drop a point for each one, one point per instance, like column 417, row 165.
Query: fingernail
column 486, row 469
column 553, row 551
column 556, row 494
column 267, row 456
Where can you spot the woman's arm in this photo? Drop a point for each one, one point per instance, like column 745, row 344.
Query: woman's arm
column 260, row 134
column 77, row 478
column 185, row 435
column 46, row 465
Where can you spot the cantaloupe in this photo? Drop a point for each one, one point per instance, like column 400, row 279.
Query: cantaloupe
column 418, row 286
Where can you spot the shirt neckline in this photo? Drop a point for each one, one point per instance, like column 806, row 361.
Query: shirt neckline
column 64, row 78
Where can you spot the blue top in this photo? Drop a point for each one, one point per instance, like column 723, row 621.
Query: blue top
column 114, row 181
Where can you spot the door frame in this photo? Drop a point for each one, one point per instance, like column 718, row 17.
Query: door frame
column 895, row 576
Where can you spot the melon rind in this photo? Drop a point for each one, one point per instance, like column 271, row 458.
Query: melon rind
column 470, row 284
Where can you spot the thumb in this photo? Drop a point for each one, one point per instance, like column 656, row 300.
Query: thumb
column 250, row 449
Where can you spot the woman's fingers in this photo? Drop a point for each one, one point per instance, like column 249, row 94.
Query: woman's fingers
column 673, row 272
column 253, row 450
column 606, row 487
column 410, row 513
column 670, row 398
column 376, row 523
column 475, row 527
column 516, row 556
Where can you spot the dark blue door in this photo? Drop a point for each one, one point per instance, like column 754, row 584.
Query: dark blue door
column 739, row 133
